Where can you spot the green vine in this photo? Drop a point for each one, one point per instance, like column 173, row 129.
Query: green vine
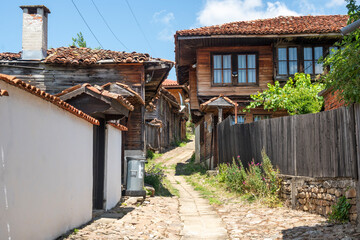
column 340, row 211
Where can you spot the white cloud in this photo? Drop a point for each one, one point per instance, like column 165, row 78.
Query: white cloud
column 165, row 19
column 335, row 3
column 223, row 11
column 308, row 7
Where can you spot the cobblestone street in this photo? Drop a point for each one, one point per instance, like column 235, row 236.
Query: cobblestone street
column 191, row 217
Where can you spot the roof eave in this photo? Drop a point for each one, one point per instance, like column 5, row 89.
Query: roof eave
column 338, row 34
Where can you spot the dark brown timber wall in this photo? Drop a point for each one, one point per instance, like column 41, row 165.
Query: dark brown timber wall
column 314, row 145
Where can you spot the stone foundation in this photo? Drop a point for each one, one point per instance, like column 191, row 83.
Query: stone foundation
column 317, row 195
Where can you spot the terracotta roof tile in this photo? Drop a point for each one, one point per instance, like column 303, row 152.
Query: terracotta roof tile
column 75, row 55
column 47, row 97
column 135, row 99
column 86, row 56
column 204, row 105
column 99, row 90
column 156, row 122
column 118, row 126
column 3, row 93
column 169, row 82
column 10, row 56
column 274, row 26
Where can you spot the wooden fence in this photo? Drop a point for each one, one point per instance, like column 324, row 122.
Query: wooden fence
column 314, row 145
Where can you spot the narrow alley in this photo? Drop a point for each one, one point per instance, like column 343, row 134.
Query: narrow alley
column 192, row 217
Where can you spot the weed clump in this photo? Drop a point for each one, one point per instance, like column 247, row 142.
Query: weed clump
column 258, row 180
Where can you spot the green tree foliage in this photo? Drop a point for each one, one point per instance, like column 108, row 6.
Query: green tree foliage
column 297, row 96
column 344, row 74
column 79, row 41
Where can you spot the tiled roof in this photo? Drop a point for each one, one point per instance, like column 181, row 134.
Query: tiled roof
column 133, row 99
column 156, row 122
column 9, row 56
column 99, row 90
column 169, row 97
column 118, row 126
column 75, row 55
column 169, row 82
column 272, row 26
column 3, row 93
column 205, row 104
column 86, row 56
column 47, row 97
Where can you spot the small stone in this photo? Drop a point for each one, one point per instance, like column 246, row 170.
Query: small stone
column 351, row 193
column 337, row 193
column 328, row 197
column 305, row 208
column 327, row 210
column 302, row 195
column 327, row 184
column 331, row 191
column 353, row 217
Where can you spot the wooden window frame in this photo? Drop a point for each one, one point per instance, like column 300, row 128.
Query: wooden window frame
column 234, row 69
column 300, row 58
column 222, row 69
column 256, row 69
column 287, row 60
column 253, row 117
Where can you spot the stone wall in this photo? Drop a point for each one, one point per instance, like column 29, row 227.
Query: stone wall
column 317, row 195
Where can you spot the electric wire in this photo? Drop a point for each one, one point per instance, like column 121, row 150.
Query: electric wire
column 138, row 24
column 86, row 23
column 109, row 26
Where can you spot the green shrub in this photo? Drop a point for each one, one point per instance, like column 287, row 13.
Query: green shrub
column 150, row 154
column 154, row 176
column 258, row 180
column 340, row 211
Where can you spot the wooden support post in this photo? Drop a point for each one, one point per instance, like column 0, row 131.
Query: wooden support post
column 220, row 114
column 236, row 120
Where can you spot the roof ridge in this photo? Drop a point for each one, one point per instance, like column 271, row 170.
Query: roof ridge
column 255, row 26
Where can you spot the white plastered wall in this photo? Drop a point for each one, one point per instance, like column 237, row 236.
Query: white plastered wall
column 112, row 167
column 45, row 168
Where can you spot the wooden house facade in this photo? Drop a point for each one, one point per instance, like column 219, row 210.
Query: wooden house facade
column 236, row 60
column 164, row 121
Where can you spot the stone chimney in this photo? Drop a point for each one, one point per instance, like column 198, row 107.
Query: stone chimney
column 34, row 34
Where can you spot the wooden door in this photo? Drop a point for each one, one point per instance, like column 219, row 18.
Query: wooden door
column 98, row 164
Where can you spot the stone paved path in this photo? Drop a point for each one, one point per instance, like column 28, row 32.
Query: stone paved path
column 199, row 218
column 191, row 217
column 156, row 218
column 253, row 221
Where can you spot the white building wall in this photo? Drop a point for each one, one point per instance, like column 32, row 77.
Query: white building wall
column 45, row 168
column 112, row 167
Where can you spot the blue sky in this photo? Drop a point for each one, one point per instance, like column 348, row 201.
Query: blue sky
column 158, row 19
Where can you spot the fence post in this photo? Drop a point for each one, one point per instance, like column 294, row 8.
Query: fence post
column 293, row 129
column 357, row 140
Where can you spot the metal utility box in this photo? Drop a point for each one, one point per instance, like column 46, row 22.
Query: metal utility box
column 135, row 176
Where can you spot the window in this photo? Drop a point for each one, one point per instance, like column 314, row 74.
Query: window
column 246, row 68
column 235, row 68
column 222, row 69
column 260, row 117
column 287, row 60
column 240, row 119
column 311, row 58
